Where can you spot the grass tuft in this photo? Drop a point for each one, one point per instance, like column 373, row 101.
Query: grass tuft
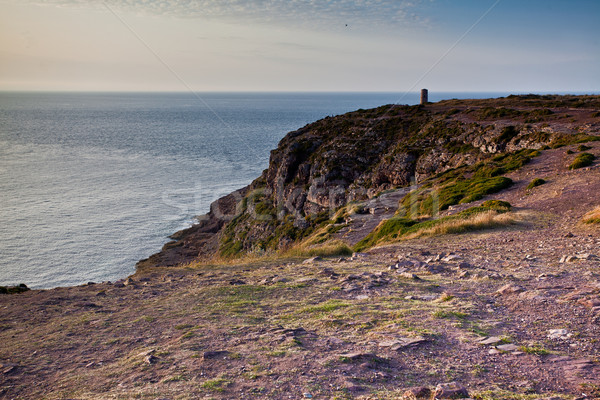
column 582, row 160
column 328, row 306
column 592, row 217
column 535, row 182
column 534, row 350
column 497, row 205
column 331, row 249
column 216, row 385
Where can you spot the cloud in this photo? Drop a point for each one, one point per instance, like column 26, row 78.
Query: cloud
column 348, row 13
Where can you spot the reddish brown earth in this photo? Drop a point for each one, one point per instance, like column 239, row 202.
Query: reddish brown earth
column 339, row 328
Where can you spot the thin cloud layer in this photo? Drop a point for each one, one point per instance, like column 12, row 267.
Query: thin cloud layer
column 296, row 12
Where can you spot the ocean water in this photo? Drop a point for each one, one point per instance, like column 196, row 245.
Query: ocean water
column 90, row 183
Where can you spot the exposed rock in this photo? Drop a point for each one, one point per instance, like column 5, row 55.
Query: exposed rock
column 451, row 257
column 450, row 390
column 355, row 156
column 312, row 260
column 587, row 256
column 201, row 239
column 359, row 357
column 508, row 347
column 9, row 370
column 329, row 272
column 402, row 343
column 493, row 340
column 150, row 359
column 509, row 289
column 561, row 334
column 409, row 275
column 567, row 259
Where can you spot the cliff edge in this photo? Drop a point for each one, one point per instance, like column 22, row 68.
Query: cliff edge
column 354, row 157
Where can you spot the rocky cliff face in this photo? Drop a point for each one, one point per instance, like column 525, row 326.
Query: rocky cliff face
column 355, row 156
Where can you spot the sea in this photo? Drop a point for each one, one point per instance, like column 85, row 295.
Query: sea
column 90, row 183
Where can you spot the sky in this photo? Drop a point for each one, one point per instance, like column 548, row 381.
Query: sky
column 520, row 46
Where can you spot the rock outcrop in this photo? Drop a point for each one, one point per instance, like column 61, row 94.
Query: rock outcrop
column 355, row 156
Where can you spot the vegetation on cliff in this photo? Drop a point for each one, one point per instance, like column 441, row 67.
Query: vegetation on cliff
column 454, row 152
column 487, row 215
column 440, row 155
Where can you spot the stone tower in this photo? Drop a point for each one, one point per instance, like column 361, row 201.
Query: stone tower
column 424, row 95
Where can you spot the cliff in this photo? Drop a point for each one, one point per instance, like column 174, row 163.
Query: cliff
column 325, row 165
column 495, row 297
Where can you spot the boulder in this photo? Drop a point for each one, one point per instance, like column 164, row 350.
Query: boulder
column 450, row 390
column 510, row 289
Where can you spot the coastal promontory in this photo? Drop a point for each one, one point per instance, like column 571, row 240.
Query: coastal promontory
column 447, row 250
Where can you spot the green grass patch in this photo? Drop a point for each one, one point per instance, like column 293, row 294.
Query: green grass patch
column 464, row 185
column 506, row 395
column 540, row 351
column 277, row 353
column 215, row 385
column 326, row 307
column 444, row 314
column 430, row 200
column 534, row 183
column 573, row 139
column 497, row 205
column 582, row 160
column 473, row 218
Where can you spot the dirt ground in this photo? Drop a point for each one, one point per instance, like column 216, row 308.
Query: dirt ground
column 511, row 313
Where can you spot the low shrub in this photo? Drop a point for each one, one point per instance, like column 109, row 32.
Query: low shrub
column 497, row 205
column 13, row 289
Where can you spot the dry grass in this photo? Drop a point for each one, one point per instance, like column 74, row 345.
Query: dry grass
column 330, row 249
column 486, row 220
column 298, row 251
column 592, row 217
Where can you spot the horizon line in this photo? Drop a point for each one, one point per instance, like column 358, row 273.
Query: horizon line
column 559, row 92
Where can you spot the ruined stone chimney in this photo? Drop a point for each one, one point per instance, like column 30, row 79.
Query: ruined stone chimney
column 424, row 95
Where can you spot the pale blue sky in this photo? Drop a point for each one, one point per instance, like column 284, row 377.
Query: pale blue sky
column 300, row 45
